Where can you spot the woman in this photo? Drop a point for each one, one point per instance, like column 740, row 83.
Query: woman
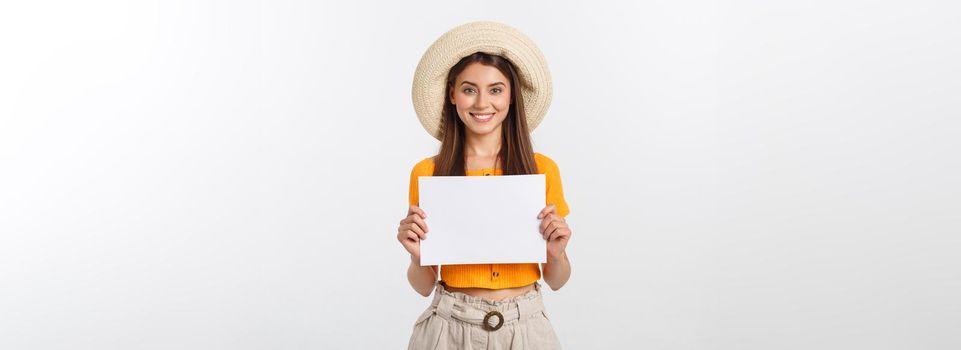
column 480, row 89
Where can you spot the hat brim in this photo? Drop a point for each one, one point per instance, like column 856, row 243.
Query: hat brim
column 494, row 38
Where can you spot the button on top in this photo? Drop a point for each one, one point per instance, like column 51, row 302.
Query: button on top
column 496, row 273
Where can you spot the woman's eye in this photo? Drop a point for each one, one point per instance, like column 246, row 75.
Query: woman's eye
column 468, row 90
column 496, row 90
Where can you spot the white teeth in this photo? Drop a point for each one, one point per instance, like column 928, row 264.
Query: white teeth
column 482, row 116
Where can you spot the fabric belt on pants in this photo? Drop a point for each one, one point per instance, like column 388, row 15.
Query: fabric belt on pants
column 450, row 308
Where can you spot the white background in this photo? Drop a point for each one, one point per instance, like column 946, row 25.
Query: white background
column 230, row 174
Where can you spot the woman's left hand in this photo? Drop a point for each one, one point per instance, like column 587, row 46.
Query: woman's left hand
column 555, row 230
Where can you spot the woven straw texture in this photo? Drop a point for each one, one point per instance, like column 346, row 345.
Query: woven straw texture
column 488, row 37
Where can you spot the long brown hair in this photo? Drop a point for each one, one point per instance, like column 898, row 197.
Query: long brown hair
column 516, row 153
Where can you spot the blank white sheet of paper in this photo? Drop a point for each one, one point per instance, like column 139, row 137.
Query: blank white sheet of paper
column 482, row 219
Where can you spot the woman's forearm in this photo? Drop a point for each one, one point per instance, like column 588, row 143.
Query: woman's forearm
column 557, row 271
column 422, row 278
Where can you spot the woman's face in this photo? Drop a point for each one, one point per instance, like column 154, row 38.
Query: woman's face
column 482, row 96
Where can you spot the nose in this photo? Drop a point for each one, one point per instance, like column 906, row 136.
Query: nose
column 481, row 100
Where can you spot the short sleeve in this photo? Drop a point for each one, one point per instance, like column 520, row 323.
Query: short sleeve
column 555, row 190
column 423, row 168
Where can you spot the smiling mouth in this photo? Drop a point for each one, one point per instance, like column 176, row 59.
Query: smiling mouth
column 482, row 117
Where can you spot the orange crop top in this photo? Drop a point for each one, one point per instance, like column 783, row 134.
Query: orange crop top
column 495, row 276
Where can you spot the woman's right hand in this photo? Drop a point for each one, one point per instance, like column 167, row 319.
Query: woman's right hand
column 412, row 230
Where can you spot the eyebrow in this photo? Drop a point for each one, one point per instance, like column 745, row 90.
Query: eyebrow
column 497, row 83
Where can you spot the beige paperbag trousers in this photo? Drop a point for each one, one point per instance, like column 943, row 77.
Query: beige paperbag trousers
column 456, row 320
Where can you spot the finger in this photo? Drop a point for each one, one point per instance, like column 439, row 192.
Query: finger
column 559, row 233
column 416, row 210
column 412, row 236
column 420, row 222
column 407, row 237
column 546, row 221
column 553, row 235
column 547, row 210
column 559, row 221
column 420, row 233
column 553, row 218
column 549, row 230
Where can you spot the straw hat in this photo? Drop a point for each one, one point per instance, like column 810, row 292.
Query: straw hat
column 430, row 78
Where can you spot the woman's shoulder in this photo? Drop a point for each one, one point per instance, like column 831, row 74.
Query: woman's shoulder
column 541, row 157
column 544, row 163
column 424, row 166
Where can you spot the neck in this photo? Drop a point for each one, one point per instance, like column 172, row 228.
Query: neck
column 483, row 145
